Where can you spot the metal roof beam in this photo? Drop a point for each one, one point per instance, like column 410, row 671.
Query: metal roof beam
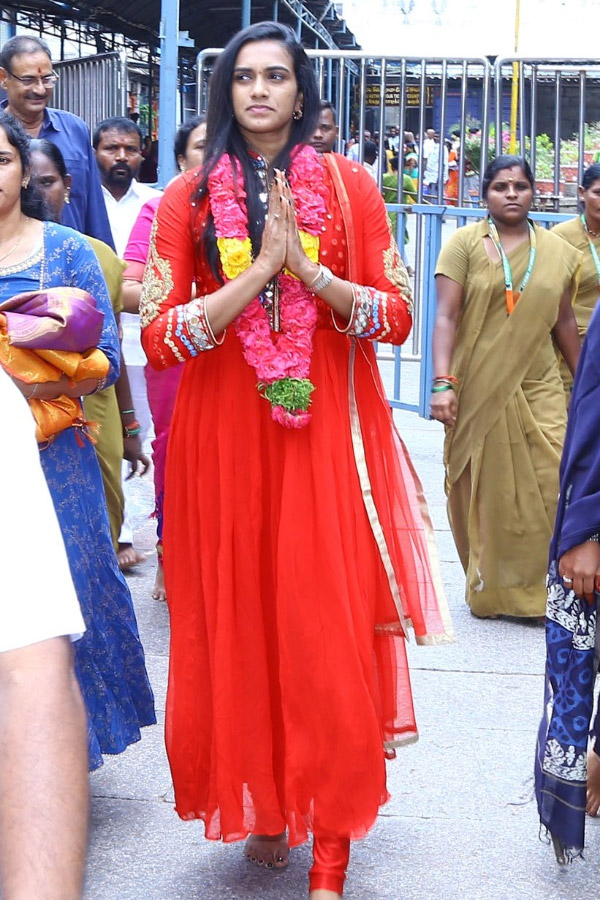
column 305, row 17
column 326, row 10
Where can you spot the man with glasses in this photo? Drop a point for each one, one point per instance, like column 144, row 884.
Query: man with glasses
column 27, row 76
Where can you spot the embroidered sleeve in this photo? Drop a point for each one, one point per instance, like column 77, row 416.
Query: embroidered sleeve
column 174, row 328
column 369, row 316
column 382, row 307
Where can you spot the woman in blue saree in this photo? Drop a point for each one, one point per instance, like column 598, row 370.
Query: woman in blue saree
column 36, row 256
column 568, row 754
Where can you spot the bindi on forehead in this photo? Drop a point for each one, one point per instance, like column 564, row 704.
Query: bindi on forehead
column 32, row 63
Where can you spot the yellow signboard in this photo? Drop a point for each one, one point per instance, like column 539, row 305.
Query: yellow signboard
column 393, row 95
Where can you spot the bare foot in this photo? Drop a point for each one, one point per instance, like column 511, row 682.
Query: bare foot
column 324, row 895
column 128, row 557
column 477, row 616
column 158, row 591
column 270, row 851
column 593, row 783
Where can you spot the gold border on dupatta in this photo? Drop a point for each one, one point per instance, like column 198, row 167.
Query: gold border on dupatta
column 447, row 636
column 367, row 493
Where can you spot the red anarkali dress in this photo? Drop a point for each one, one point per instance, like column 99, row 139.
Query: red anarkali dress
column 294, row 559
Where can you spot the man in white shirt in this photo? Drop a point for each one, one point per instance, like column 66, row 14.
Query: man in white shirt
column 43, row 765
column 428, row 144
column 432, row 169
column 118, row 147
column 354, row 151
column 394, row 139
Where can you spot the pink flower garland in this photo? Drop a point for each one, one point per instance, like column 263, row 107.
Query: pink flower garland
column 275, row 356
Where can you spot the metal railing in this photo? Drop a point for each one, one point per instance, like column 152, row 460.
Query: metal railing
column 441, row 91
column 565, row 92
column 353, row 80
column 93, row 87
column 408, row 370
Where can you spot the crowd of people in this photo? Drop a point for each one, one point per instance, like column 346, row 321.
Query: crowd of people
column 234, row 317
column 437, row 179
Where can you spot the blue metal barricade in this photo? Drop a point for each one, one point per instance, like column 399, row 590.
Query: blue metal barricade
column 408, row 370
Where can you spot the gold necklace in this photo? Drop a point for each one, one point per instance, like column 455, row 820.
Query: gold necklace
column 589, row 230
column 15, row 245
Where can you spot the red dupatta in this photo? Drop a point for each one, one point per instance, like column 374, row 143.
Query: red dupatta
column 391, row 490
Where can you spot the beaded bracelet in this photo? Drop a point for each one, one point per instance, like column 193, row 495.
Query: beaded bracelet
column 131, row 430
column 594, row 537
column 437, row 388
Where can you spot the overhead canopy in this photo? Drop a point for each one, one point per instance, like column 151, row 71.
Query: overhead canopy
column 210, row 23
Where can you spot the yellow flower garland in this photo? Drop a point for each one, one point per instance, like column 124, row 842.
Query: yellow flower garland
column 236, row 255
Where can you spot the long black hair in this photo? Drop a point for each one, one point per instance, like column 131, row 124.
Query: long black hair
column 224, row 136
column 32, row 202
column 506, row 161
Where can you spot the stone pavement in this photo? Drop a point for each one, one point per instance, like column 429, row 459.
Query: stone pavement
column 461, row 824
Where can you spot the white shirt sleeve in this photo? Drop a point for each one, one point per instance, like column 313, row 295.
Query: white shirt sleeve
column 37, row 597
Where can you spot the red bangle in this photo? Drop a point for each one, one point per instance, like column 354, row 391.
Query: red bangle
column 450, row 378
column 132, row 429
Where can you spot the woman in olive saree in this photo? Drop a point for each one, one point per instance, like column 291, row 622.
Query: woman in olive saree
column 499, row 392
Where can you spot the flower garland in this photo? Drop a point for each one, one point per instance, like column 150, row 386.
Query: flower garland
column 280, row 359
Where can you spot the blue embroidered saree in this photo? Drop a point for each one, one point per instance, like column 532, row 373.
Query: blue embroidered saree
column 561, row 755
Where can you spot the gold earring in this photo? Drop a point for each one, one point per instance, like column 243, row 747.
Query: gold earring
column 298, row 114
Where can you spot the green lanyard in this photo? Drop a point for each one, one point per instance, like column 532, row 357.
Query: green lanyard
column 593, row 250
column 511, row 297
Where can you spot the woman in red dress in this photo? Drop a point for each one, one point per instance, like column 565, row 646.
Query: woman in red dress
column 295, row 540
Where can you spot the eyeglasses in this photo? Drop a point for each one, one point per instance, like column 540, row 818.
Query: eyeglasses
column 29, row 80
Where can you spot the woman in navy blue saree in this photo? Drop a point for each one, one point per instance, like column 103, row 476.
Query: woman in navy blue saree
column 562, row 762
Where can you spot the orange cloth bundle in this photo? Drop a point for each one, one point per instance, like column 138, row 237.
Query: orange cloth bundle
column 47, row 334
